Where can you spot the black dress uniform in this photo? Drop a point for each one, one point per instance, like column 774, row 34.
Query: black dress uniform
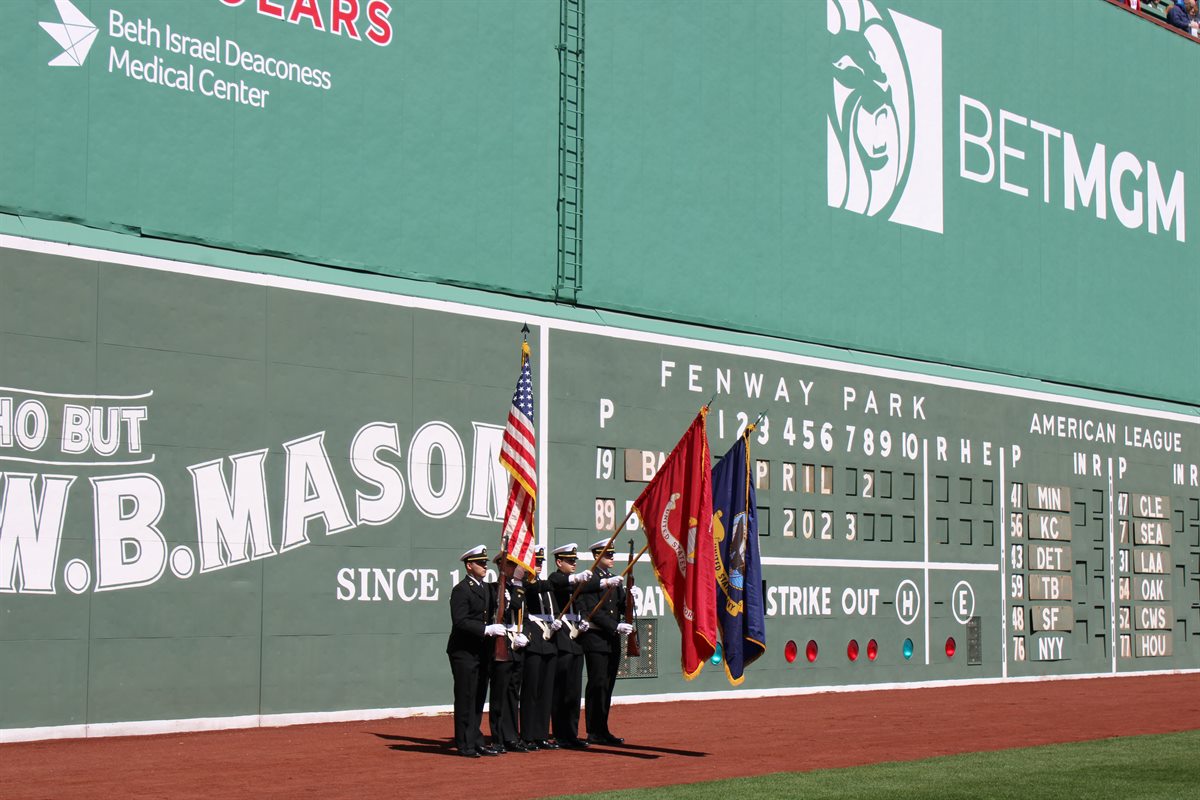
column 568, row 669
column 470, row 653
column 537, row 679
column 602, row 652
column 506, row 675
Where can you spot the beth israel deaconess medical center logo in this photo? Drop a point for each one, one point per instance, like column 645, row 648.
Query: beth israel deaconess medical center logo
column 885, row 126
column 74, row 33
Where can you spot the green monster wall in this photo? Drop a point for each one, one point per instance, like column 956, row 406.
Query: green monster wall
column 232, row 498
column 256, row 353
column 1020, row 219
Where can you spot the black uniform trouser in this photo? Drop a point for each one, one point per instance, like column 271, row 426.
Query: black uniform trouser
column 568, row 691
column 504, row 697
column 602, row 669
column 470, row 673
column 537, row 695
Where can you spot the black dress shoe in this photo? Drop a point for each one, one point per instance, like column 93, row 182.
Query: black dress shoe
column 516, row 747
column 548, row 744
column 610, row 739
column 594, row 739
column 530, row 746
column 573, row 744
column 468, row 754
column 488, row 750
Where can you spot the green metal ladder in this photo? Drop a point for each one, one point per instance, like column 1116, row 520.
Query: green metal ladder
column 570, row 152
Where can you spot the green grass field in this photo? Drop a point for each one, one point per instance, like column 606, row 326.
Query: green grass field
column 1138, row 767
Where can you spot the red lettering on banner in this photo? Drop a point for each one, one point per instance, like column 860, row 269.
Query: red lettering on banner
column 344, row 12
column 381, row 28
column 270, row 9
column 332, row 16
column 307, row 8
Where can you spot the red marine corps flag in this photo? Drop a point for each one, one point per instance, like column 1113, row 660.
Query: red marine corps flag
column 518, row 455
column 676, row 512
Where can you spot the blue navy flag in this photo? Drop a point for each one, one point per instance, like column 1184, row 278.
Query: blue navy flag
column 739, row 569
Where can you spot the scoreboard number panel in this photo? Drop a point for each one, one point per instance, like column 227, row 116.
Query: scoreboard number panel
column 882, row 494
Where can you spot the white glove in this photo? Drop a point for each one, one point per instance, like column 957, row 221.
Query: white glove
column 580, row 577
column 615, row 580
column 520, row 640
column 624, row 628
column 516, row 583
column 495, row 629
column 583, row 625
column 556, row 624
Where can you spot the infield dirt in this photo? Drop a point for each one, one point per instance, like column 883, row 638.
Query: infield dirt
column 667, row 743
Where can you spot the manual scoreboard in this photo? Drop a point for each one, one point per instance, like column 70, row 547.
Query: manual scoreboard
column 912, row 526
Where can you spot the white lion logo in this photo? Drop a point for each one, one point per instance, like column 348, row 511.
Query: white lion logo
column 880, row 119
column 871, row 122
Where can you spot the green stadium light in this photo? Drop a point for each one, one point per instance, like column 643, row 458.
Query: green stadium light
column 908, row 649
column 717, row 655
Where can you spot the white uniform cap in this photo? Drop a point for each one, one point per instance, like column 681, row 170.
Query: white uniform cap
column 477, row 553
column 603, row 544
column 566, row 550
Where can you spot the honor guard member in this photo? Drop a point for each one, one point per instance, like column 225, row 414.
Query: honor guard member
column 602, row 643
column 472, row 605
column 505, row 692
column 568, row 667
column 537, row 672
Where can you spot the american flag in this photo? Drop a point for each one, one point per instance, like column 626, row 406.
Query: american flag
column 518, row 455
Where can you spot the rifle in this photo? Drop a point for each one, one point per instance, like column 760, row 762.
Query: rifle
column 633, row 648
column 502, row 651
column 595, row 561
column 632, row 560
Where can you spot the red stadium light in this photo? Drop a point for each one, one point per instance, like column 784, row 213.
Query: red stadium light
column 872, row 649
column 852, row 650
column 950, row 647
column 789, row 651
column 811, row 651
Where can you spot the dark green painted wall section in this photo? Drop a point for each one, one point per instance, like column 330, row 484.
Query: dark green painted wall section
column 916, row 481
column 708, row 165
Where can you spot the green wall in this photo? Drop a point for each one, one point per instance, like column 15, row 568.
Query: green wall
column 355, row 428
column 707, row 195
column 316, row 296
column 708, row 160
column 431, row 155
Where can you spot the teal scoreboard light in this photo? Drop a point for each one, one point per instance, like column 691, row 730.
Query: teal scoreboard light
column 234, row 496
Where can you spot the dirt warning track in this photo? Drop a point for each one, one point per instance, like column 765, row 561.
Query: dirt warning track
column 667, row 743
